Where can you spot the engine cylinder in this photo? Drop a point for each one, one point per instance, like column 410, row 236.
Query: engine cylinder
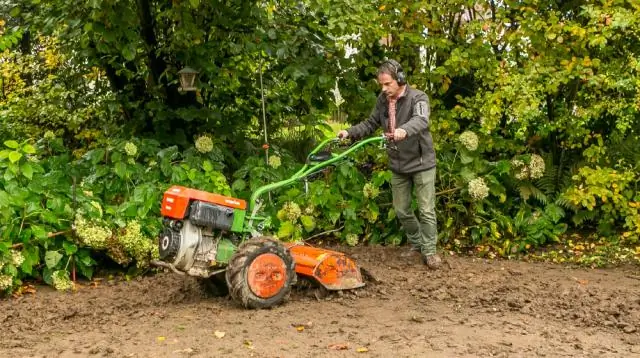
column 211, row 215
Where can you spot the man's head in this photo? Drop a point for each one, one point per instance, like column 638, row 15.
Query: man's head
column 391, row 78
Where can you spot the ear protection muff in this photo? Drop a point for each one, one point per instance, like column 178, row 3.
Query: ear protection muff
column 399, row 73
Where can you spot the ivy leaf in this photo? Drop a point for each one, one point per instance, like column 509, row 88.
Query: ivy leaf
column 120, row 169
column 69, row 248
column 465, row 158
column 31, row 258
column 129, row 52
column 12, row 144
column 467, row 174
column 239, row 185
column 308, row 222
column 29, row 149
column 38, row 232
column 52, row 258
column 27, row 170
column 15, row 156
column 286, row 229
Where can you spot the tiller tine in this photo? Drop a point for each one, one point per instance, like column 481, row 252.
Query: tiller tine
column 332, row 269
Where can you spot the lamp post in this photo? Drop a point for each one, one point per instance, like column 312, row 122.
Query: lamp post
column 187, row 79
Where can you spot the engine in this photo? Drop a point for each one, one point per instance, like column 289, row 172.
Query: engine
column 197, row 229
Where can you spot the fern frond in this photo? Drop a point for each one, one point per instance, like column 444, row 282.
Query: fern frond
column 528, row 190
column 548, row 182
column 556, row 178
column 583, row 216
column 566, row 204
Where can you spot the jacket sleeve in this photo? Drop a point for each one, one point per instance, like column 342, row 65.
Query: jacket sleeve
column 368, row 126
column 420, row 113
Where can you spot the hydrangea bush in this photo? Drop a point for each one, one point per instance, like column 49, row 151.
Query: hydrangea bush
column 104, row 203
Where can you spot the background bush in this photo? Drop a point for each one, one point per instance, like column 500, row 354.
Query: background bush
column 534, row 115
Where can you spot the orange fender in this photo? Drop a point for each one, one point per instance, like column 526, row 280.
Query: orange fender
column 332, row 269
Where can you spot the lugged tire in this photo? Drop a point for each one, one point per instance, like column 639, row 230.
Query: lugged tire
column 237, row 272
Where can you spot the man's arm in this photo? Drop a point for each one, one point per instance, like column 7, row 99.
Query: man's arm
column 367, row 126
column 419, row 120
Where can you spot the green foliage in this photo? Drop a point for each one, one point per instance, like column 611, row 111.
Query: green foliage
column 62, row 214
column 534, row 113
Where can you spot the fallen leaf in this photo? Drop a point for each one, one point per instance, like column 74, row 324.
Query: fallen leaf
column 219, row 334
column 300, row 327
column 339, row 346
column 161, row 339
column 362, row 350
column 249, row 344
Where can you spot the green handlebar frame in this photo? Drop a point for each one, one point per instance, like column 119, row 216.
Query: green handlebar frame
column 308, row 169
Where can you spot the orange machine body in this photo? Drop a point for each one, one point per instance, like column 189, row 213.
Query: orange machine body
column 332, row 269
column 176, row 201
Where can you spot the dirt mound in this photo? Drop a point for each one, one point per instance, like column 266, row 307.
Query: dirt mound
column 471, row 307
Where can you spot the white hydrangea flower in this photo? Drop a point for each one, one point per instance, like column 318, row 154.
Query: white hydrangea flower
column 92, row 235
column 16, row 258
column 536, row 166
column 352, row 239
column 137, row 245
column 370, row 191
column 130, row 149
column 6, row 281
column 49, row 135
column 61, row 281
column 204, row 144
column 535, row 169
column 478, row 189
column 290, row 211
column 523, row 170
column 310, row 210
column 470, row 140
column 275, row 162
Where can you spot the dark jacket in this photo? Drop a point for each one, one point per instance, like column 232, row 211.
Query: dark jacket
column 415, row 153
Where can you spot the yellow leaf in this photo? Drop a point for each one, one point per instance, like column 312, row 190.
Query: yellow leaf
column 219, row 334
column 446, row 81
column 300, row 328
column 382, row 7
column 362, row 350
column 161, row 339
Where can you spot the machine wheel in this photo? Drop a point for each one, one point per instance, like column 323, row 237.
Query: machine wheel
column 260, row 273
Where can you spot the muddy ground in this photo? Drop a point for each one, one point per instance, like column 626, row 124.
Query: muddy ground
column 470, row 308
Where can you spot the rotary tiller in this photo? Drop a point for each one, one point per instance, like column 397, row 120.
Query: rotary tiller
column 207, row 234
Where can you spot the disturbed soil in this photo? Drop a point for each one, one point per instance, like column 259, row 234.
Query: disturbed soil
column 469, row 308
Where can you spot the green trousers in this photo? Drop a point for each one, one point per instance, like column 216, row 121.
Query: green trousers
column 422, row 232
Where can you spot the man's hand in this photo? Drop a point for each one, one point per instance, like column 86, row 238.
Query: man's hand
column 343, row 134
column 399, row 134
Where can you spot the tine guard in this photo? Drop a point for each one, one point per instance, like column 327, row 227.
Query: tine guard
column 332, row 269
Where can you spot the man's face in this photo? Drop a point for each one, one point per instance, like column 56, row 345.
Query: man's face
column 389, row 86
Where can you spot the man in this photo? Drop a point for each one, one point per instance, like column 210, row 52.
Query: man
column 403, row 112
